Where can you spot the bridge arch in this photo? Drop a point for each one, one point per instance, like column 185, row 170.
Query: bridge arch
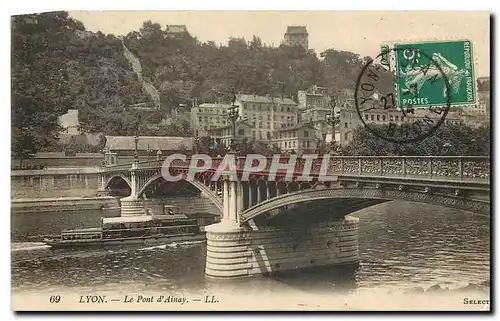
column 477, row 206
column 199, row 185
column 123, row 177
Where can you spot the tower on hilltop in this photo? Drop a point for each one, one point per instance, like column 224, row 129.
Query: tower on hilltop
column 297, row 36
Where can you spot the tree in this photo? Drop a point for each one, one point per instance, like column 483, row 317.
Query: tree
column 451, row 140
column 57, row 65
column 39, row 77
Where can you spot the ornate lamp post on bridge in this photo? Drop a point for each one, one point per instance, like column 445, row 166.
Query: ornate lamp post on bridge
column 233, row 116
column 136, row 153
column 332, row 120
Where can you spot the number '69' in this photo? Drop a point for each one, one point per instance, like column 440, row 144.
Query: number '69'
column 55, row 299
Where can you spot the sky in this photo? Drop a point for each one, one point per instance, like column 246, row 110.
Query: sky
column 361, row 32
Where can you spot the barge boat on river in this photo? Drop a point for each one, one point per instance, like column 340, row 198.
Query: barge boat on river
column 143, row 229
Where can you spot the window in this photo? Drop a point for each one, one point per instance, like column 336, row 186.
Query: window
column 346, row 135
column 372, row 117
column 383, row 117
column 306, row 133
column 346, row 125
column 268, row 117
column 366, row 117
column 396, row 118
column 391, row 118
column 241, row 132
column 285, row 145
column 402, row 118
column 378, row 117
column 268, row 135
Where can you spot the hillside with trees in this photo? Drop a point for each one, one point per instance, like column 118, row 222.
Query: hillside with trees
column 57, row 65
column 184, row 68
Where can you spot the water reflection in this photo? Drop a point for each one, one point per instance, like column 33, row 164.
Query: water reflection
column 402, row 246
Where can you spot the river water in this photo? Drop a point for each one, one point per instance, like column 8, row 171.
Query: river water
column 405, row 248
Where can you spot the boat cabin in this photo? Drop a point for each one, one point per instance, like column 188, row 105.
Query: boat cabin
column 81, row 234
column 126, row 222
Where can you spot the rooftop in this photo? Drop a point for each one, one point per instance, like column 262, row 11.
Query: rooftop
column 212, row 105
column 148, row 142
column 297, row 30
column 265, row 99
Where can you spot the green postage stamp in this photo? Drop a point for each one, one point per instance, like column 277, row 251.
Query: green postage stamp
column 426, row 71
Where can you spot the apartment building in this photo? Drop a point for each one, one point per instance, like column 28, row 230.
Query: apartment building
column 300, row 139
column 223, row 135
column 207, row 116
column 266, row 114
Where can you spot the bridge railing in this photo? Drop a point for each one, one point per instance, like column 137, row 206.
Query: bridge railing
column 118, row 167
column 463, row 168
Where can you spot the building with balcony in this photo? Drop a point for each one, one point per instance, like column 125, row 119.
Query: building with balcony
column 314, row 97
column 266, row 114
column 207, row 116
column 314, row 105
column 297, row 36
column 349, row 119
column 299, row 139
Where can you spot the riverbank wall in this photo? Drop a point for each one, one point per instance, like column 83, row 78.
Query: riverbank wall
column 188, row 205
column 54, row 183
column 42, row 205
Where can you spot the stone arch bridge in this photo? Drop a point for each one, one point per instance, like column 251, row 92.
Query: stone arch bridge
column 342, row 184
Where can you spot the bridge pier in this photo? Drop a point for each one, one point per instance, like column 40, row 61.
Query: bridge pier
column 237, row 251
column 101, row 185
column 131, row 206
